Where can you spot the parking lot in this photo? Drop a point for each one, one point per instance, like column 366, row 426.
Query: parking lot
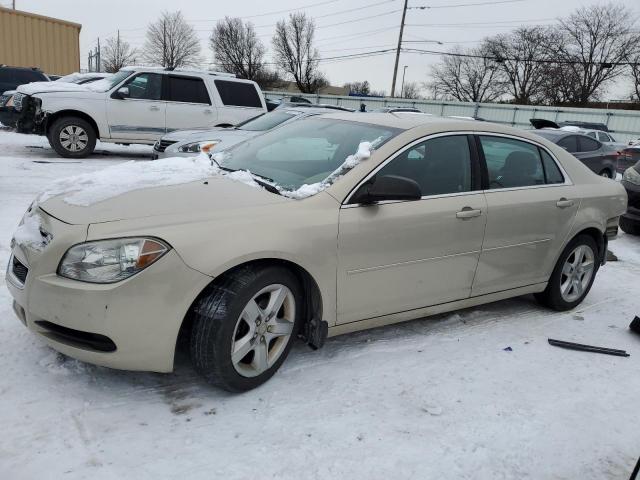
column 477, row 394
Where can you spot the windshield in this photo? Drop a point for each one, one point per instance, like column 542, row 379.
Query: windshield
column 266, row 121
column 107, row 84
column 303, row 152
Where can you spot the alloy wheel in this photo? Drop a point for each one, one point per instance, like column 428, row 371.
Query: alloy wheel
column 73, row 138
column 263, row 330
column 577, row 272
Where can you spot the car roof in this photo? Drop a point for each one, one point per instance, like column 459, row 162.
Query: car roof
column 405, row 122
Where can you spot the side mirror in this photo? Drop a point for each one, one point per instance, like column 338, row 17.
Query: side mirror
column 122, row 93
column 387, row 187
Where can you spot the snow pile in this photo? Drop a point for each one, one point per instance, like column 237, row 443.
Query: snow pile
column 89, row 188
column 307, row 190
column 40, row 87
column 28, row 232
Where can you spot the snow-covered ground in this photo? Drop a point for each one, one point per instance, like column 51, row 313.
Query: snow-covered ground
column 438, row 398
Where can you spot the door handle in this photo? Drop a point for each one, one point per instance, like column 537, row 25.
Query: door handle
column 468, row 212
column 153, row 108
column 564, row 203
column 208, row 112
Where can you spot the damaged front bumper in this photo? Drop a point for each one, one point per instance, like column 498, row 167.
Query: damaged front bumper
column 30, row 116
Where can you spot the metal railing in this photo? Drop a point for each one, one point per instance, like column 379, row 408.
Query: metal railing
column 624, row 124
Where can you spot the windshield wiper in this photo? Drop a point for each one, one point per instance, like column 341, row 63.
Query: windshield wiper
column 269, row 187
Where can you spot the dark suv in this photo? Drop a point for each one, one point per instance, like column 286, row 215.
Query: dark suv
column 11, row 77
column 630, row 221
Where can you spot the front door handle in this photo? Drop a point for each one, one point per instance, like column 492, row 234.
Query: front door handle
column 468, row 212
column 154, row 108
column 564, row 203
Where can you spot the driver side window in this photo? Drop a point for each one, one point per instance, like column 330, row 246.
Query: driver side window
column 440, row 165
column 146, row 86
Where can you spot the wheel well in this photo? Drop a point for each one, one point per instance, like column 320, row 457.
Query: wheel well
column 597, row 236
column 71, row 113
column 310, row 289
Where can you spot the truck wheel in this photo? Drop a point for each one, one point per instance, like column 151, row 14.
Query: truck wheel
column 572, row 276
column 72, row 137
column 245, row 325
column 630, row 227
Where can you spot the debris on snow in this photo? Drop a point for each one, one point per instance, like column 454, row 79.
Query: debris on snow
column 588, row 348
column 508, row 349
column 635, row 325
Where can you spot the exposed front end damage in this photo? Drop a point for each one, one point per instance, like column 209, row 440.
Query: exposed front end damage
column 31, row 117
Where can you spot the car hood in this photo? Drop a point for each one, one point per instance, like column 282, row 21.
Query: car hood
column 196, row 199
column 47, row 87
column 196, row 135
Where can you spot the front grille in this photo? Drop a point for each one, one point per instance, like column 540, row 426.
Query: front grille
column 19, row 270
column 4, row 99
column 162, row 145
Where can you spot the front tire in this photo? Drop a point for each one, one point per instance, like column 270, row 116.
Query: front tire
column 572, row 276
column 72, row 137
column 244, row 327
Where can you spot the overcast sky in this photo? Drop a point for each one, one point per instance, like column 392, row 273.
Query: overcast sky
column 361, row 27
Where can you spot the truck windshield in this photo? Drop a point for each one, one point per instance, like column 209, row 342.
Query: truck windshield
column 107, row 84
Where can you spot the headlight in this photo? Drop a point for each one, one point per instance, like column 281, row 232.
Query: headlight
column 109, row 261
column 631, row 175
column 197, row 147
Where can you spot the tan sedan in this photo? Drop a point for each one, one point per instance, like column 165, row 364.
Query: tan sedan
column 430, row 215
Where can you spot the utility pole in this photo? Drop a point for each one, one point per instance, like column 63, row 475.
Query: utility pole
column 404, row 71
column 164, row 43
column 118, row 60
column 14, row 4
column 395, row 68
column 99, row 59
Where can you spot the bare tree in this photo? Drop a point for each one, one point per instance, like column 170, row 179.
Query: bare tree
column 116, row 54
column 519, row 54
column 359, row 88
column 172, row 42
column 411, row 90
column 593, row 42
column 467, row 76
column 295, row 54
column 633, row 58
column 236, row 48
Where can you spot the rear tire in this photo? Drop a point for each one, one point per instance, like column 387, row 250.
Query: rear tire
column 72, row 137
column 606, row 173
column 237, row 346
column 630, row 227
column 568, row 284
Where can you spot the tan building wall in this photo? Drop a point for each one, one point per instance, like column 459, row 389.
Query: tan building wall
column 29, row 40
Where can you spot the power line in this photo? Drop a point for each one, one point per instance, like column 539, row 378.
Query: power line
column 318, row 4
column 430, row 7
column 489, row 24
column 513, row 59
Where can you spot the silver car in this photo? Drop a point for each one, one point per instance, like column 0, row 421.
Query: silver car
column 187, row 143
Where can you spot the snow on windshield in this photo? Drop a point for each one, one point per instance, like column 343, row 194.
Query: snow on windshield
column 88, row 189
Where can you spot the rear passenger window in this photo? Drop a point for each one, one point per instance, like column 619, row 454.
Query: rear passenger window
column 440, row 165
column 512, row 163
column 551, row 170
column 187, row 89
column 570, row 143
column 587, row 144
column 239, row 94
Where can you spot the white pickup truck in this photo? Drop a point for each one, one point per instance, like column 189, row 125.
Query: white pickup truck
column 136, row 105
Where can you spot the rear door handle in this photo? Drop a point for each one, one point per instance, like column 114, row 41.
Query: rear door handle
column 468, row 212
column 208, row 112
column 154, row 108
column 564, row 203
